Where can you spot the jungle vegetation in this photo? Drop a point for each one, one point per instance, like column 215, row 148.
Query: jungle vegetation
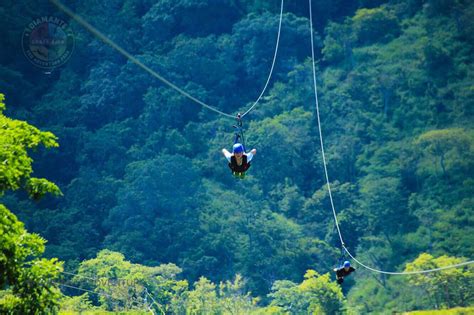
column 112, row 183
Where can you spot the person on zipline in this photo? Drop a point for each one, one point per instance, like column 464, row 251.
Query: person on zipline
column 239, row 161
column 343, row 271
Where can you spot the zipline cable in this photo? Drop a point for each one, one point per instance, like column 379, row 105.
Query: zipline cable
column 273, row 63
column 90, row 291
column 408, row 272
column 319, row 124
column 329, row 185
column 96, row 279
column 157, row 304
column 81, row 289
column 127, row 55
column 130, row 57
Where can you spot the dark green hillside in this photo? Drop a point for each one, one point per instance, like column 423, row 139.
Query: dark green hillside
column 148, row 196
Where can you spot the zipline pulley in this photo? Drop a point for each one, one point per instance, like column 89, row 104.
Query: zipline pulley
column 239, row 132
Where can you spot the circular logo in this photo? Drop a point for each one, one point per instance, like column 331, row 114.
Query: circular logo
column 48, row 42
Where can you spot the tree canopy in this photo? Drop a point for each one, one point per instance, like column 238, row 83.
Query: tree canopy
column 147, row 196
column 26, row 279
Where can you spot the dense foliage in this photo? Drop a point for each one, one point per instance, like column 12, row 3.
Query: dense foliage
column 122, row 285
column 26, row 279
column 142, row 174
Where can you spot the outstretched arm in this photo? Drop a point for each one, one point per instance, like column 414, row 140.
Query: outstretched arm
column 227, row 154
column 250, row 155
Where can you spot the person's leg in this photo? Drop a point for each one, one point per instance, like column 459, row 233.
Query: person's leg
column 239, row 175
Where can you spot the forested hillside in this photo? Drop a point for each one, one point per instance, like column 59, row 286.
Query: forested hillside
column 148, row 197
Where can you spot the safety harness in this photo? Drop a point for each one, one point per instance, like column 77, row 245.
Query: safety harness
column 239, row 170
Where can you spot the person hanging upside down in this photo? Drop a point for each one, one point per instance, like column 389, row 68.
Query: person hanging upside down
column 239, row 161
column 343, row 271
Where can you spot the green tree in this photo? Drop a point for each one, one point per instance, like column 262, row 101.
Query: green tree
column 324, row 296
column 203, row 299
column 80, row 303
column 384, row 201
column 372, row 25
column 16, row 138
column 286, row 296
column 446, row 151
column 122, row 285
column 227, row 298
column 233, row 298
column 338, row 44
column 447, row 288
column 26, row 279
column 317, row 294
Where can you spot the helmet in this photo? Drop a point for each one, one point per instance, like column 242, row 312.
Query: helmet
column 238, row 148
column 347, row 263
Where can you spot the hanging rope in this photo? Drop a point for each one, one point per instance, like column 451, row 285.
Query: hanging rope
column 329, row 186
column 273, row 63
column 130, row 57
column 319, row 125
